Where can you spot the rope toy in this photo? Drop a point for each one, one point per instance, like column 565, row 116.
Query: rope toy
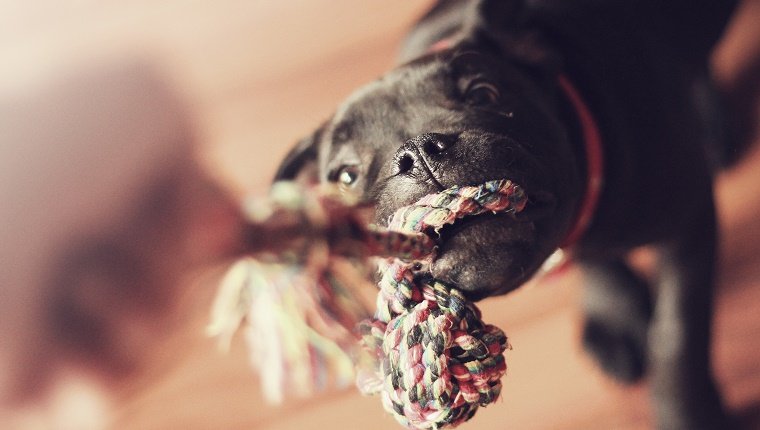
column 426, row 351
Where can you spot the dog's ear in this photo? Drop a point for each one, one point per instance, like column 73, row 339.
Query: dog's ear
column 507, row 27
column 454, row 22
column 497, row 15
column 300, row 164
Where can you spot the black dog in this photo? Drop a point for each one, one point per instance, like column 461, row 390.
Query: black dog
column 559, row 95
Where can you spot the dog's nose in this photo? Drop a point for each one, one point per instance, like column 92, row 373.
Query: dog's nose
column 423, row 148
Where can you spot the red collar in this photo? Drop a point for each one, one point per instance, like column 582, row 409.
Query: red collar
column 594, row 163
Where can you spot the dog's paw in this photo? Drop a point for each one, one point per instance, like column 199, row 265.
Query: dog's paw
column 621, row 353
column 618, row 308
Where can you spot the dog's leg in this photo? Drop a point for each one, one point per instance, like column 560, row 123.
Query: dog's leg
column 617, row 306
column 684, row 391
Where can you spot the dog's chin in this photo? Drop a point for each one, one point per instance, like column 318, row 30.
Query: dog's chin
column 486, row 255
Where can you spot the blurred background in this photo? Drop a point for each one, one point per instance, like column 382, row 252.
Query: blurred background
column 123, row 126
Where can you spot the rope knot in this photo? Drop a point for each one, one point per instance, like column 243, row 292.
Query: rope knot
column 436, row 360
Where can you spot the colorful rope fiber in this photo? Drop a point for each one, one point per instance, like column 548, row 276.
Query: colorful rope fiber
column 437, row 361
column 430, row 356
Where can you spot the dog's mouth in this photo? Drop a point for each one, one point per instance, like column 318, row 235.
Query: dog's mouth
column 469, row 223
column 540, row 206
column 490, row 254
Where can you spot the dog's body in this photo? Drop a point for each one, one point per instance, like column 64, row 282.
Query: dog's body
column 478, row 97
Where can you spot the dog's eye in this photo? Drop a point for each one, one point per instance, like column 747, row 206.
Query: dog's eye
column 346, row 176
column 481, row 93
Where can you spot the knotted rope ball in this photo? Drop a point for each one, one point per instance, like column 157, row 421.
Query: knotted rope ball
column 438, row 361
column 432, row 359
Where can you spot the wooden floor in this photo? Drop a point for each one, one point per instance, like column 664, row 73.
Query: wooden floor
column 256, row 76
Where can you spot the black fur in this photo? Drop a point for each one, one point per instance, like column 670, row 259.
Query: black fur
column 489, row 107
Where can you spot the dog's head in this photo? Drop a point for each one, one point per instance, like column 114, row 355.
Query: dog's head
column 460, row 116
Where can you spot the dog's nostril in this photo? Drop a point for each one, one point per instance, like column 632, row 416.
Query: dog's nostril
column 434, row 146
column 434, row 143
column 405, row 162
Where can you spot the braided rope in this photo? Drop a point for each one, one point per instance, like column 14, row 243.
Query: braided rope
column 432, row 358
column 436, row 361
